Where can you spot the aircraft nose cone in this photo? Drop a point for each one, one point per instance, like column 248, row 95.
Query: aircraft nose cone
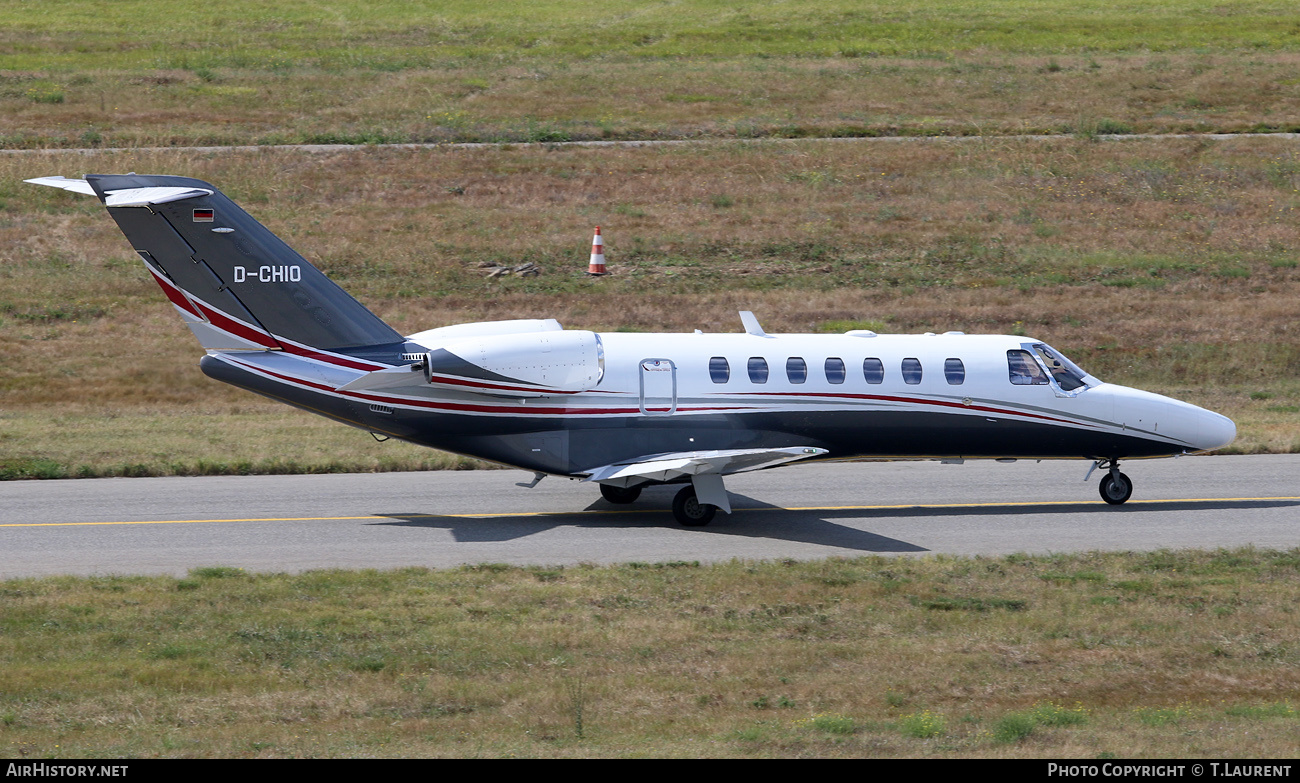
column 1214, row 431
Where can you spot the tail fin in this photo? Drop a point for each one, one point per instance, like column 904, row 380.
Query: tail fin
column 235, row 283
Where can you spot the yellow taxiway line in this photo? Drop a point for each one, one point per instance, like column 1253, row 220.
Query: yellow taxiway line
column 488, row 515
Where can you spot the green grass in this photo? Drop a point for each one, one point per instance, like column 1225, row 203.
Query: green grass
column 757, row 660
column 923, row 725
column 346, row 34
column 126, row 443
column 1017, row 726
column 78, row 73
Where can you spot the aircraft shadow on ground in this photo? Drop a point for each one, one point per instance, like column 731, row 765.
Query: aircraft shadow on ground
column 756, row 519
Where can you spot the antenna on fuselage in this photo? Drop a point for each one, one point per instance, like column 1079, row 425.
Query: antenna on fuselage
column 751, row 324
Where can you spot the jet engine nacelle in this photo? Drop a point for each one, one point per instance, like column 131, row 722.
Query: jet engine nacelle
column 446, row 334
column 519, row 365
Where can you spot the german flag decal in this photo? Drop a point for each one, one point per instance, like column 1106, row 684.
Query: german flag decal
column 203, row 215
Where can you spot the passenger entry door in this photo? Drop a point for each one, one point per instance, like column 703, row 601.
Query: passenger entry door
column 658, row 387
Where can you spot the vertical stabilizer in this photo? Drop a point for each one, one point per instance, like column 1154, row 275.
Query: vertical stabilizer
column 235, row 283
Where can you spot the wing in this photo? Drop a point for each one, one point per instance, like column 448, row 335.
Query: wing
column 667, row 467
column 705, row 469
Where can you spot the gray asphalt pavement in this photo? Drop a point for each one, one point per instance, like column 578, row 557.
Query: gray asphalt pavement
column 444, row 519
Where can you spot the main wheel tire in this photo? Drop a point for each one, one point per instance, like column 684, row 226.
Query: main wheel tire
column 689, row 511
column 1115, row 488
column 619, row 495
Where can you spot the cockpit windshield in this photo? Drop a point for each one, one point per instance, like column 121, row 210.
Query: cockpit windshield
column 1065, row 372
column 1036, row 364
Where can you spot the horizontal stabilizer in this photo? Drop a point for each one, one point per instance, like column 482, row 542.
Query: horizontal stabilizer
column 141, row 197
column 126, row 197
column 668, row 467
column 74, row 185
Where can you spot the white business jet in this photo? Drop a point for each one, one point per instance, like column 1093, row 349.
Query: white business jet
column 624, row 410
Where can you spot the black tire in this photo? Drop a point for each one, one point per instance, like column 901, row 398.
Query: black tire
column 1115, row 488
column 619, row 495
column 689, row 511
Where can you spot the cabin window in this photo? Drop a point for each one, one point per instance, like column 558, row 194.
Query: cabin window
column 719, row 370
column 954, row 371
column 757, row 369
column 911, row 371
column 835, row 372
column 796, row 369
column 1023, row 370
column 873, row 370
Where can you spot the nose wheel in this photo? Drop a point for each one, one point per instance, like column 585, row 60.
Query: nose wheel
column 1115, row 487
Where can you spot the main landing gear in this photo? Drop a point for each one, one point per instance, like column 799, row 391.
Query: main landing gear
column 620, row 495
column 689, row 511
column 687, row 508
column 1115, row 487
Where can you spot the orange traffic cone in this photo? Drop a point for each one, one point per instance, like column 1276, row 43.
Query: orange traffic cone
column 597, row 266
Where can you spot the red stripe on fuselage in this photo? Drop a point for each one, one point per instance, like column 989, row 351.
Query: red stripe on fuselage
column 511, row 408
column 537, row 410
column 297, row 349
column 237, row 328
column 174, row 294
column 261, row 337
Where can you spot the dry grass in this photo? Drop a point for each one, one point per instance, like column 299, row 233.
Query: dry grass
column 1161, row 654
column 1168, row 265
column 667, row 99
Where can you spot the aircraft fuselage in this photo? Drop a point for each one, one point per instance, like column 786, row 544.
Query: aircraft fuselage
column 815, row 393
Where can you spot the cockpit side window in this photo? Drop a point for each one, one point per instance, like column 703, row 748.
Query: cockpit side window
column 1023, row 370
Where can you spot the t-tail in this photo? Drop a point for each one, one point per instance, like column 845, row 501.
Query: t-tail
column 236, row 285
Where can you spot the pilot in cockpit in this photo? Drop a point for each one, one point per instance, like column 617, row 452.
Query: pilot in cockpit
column 1024, row 370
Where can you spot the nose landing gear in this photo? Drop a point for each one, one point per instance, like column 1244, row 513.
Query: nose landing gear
column 1115, row 487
